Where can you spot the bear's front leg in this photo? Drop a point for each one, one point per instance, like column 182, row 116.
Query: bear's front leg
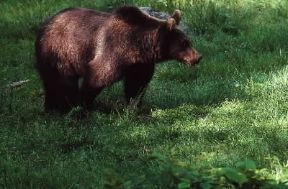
column 88, row 94
column 100, row 74
column 136, row 78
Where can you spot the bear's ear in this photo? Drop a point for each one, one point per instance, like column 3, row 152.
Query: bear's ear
column 171, row 23
column 177, row 16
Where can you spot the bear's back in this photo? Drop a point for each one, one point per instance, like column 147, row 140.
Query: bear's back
column 75, row 36
column 70, row 36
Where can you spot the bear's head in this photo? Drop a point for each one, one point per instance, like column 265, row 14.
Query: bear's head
column 176, row 43
column 171, row 41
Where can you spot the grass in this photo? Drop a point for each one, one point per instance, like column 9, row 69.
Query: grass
column 231, row 107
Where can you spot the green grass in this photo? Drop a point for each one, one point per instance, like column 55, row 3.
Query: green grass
column 231, row 107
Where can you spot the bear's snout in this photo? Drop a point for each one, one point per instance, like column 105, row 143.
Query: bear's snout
column 190, row 57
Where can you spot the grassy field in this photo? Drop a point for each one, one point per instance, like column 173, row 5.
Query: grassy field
column 231, row 107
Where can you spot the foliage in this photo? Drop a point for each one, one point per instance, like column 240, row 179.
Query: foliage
column 177, row 176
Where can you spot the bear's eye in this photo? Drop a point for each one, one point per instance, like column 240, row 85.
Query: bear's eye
column 185, row 43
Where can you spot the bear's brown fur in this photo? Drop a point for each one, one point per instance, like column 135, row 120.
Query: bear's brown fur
column 103, row 48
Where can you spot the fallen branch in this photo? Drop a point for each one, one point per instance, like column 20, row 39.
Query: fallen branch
column 17, row 83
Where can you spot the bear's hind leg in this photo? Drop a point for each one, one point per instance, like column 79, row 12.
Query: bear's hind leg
column 69, row 93
column 61, row 93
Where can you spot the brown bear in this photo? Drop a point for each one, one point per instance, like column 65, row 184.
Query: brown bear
column 103, row 48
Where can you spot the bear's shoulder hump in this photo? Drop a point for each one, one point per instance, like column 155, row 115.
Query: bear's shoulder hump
column 133, row 15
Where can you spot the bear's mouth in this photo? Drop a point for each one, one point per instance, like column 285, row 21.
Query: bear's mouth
column 191, row 62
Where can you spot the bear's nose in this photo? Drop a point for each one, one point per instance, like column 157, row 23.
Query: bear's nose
column 199, row 58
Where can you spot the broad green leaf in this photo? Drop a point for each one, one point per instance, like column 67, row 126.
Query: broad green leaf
column 183, row 185
column 234, row 175
column 246, row 165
